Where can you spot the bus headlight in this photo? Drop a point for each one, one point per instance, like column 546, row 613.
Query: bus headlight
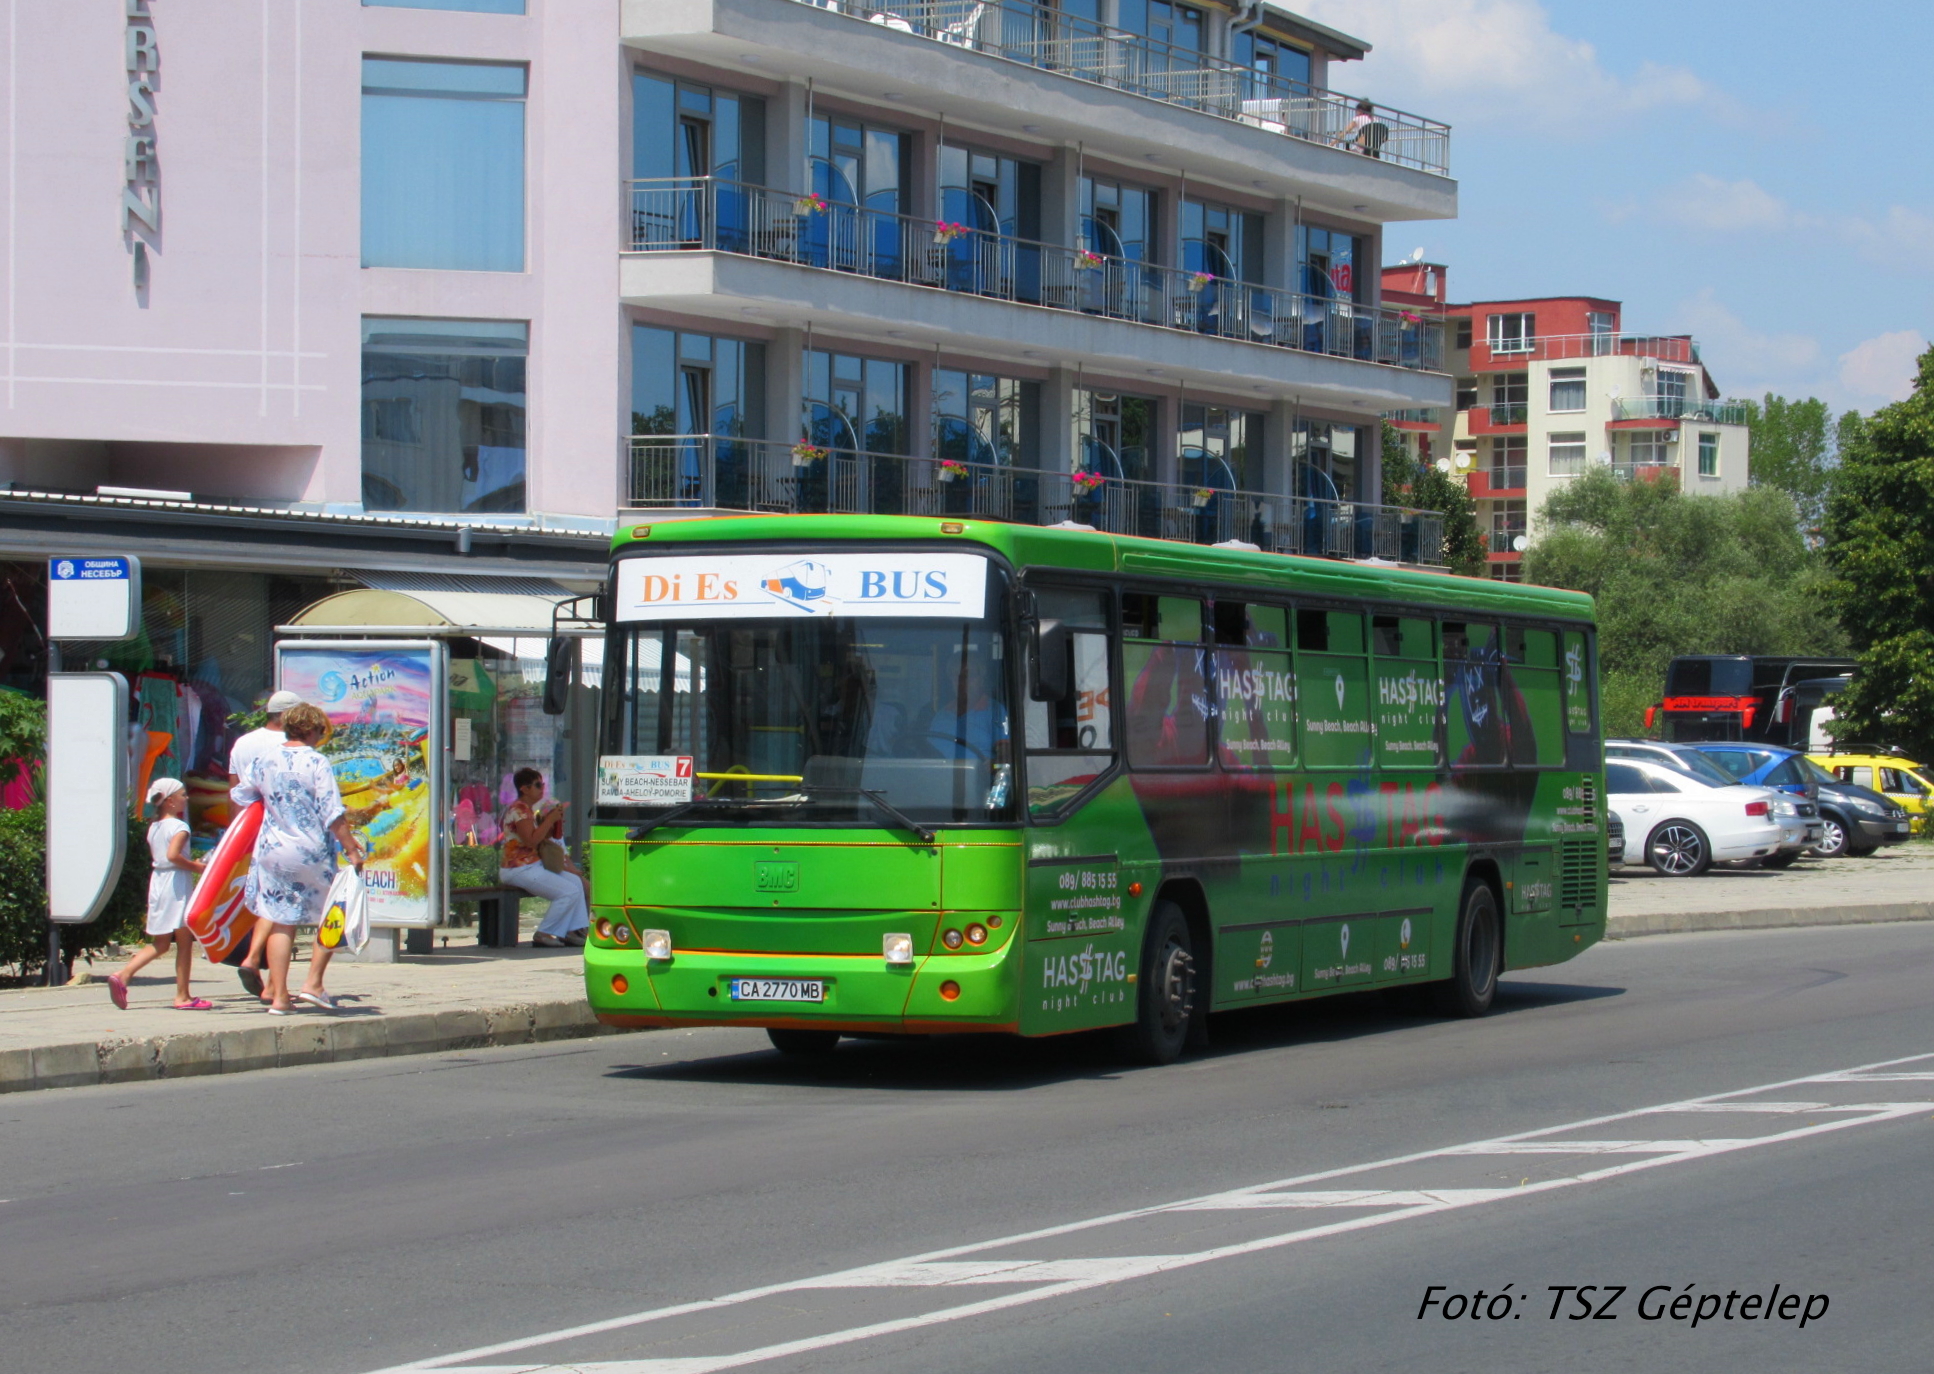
column 898, row 948
column 658, row 944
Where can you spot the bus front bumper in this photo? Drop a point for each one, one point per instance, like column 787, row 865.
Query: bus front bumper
column 859, row 993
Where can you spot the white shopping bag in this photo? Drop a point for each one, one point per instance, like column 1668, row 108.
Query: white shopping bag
column 346, row 922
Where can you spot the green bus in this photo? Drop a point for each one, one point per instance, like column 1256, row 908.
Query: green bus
column 906, row 776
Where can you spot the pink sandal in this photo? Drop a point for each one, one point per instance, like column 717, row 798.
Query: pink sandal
column 199, row 1004
column 117, row 988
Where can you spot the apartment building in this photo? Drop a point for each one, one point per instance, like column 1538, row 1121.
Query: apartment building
column 1547, row 389
column 429, row 295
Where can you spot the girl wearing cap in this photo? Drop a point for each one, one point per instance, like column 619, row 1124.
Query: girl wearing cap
column 169, row 888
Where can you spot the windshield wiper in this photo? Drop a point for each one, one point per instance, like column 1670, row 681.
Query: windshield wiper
column 892, row 812
column 639, row 831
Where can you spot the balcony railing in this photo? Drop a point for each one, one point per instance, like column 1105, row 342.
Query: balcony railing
column 1506, row 479
column 1425, row 415
column 718, row 472
column 1679, row 408
column 1665, row 470
column 1668, row 348
column 706, row 214
column 1040, row 36
column 1509, row 412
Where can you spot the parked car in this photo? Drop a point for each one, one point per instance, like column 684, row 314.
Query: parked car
column 1801, row 826
column 1854, row 819
column 1614, row 840
column 1784, row 770
column 1681, row 824
column 1907, row 784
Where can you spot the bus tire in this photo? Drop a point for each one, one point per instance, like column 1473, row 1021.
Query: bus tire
column 803, row 1044
column 1164, row 990
column 1477, row 955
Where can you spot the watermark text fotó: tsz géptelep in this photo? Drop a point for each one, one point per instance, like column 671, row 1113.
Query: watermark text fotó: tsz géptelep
column 1602, row 1302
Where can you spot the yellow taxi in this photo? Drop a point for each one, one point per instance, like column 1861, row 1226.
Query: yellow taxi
column 1900, row 780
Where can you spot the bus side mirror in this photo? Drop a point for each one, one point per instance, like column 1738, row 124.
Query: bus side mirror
column 560, row 669
column 1050, row 673
column 1651, row 714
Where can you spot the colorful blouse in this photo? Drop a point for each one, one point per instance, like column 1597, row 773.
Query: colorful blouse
column 517, row 854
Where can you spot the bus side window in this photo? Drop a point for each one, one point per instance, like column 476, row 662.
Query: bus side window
column 1408, row 692
column 1577, row 671
column 1255, row 687
column 1164, row 666
column 1333, row 696
column 1071, row 742
column 1532, row 671
column 1477, row 725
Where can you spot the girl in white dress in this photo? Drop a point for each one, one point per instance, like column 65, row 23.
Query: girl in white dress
column 169, row 887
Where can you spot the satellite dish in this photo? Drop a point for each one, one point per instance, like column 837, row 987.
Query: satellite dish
column 1520, row 544
column 1443, row 465
column 1416, row 255
column 1611, row 393
column 1463, row 460
column 1605, row 455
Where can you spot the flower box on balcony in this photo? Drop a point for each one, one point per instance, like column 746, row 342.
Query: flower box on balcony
column 951, row 471
column 805, row 455
column 1201, row 497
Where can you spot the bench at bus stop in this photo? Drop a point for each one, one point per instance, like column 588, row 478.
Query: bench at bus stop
column 496, row 918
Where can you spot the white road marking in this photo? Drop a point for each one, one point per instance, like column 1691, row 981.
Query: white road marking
column 1052, row 1277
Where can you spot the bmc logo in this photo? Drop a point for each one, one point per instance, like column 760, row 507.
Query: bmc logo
column 777, row 875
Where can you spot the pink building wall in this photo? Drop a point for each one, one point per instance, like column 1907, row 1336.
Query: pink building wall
column 249, row 331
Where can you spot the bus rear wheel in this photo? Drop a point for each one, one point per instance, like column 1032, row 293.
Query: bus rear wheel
column 1165, row 990
column 812, row 1044
column 1476, row 956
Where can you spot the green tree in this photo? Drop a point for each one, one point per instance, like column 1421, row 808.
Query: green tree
column 1880, row 546
column 23, row 735
column 1422, row 486
column 1676, row 574
column 1795, row 448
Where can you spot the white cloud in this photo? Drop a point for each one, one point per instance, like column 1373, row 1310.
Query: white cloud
column 1496, row 60
column 1747, row 361
column 1711, row 203
column 1883, row 366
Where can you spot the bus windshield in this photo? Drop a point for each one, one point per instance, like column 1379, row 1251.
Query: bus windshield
column 794, row 721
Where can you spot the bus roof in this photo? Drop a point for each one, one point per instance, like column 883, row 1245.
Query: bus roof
column 1035, row 546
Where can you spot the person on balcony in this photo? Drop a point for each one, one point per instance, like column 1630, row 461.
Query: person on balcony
column 1365, row 132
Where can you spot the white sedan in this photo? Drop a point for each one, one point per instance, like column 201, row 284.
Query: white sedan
column 1680, row 825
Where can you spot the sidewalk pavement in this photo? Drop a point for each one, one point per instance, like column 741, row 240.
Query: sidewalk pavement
column 466, row 996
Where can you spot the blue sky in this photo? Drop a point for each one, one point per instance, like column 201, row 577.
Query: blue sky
column 1760, row 174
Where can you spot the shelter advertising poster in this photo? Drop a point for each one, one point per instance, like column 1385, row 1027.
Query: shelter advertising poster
column 384, row 706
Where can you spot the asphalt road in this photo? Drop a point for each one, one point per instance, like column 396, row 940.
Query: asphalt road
column 355, row 1217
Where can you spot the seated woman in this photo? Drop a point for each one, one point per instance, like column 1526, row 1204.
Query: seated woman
column 527, row 824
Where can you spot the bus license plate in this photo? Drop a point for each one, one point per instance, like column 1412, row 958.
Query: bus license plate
column 778, row 990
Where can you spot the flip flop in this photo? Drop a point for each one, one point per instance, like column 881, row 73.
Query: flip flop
column 199, row 1004
column 315, row 999
column 281, row 1011
column 251, row 980
column 117, row 988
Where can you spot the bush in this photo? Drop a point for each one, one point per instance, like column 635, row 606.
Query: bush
column 23, row 894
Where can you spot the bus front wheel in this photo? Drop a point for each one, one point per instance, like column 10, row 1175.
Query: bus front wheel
column 802, row 1043
column 1476, row 955
column 1165, row 990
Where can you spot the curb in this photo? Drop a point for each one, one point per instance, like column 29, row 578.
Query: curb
column 198, row 1053
column 1769, row 918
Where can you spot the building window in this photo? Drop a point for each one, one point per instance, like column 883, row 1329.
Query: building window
column 1462, row 327
column 696, row 384
column 1328, row 259
column 1567, row 388
column 443, row 165
column 1515, row 333
column 981, row 418
column 1566, row 456
column 1508, row 461
column 1508, row 526
column 1512, row 571
column 1466, row 393
column 443, row 414
column 679, row 129
column 1220, row 448
column 477, row 6
column 855, row 403
column 1670, row 390
column 1323, row 459
column 1708, row 455
column 990, row 192
column 1225, row 243
column 1601, row 324
column 1648, row 448
column 1115, row 434
column 1268, row 57
column 1510, row 398
column 1118, row 221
